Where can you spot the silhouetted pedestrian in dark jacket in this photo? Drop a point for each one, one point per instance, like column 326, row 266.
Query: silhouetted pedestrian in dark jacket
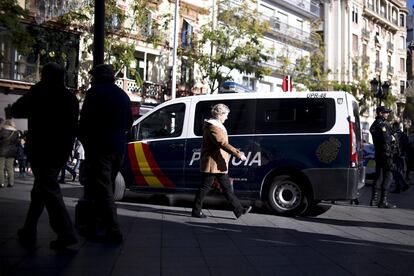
column 105, row 120
column 52, row 112
column 400, row 146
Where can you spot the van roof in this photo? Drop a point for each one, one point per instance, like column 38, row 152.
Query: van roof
column 258, row 95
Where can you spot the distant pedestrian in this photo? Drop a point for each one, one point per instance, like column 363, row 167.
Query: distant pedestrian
column 400, row 146
column 214, row 162
column 410, row 153
column 105, row 119
column 50, row 108
column 21, row 156
column 79, row 157
column 9, row 137
column 71, row 170
column 381, row 132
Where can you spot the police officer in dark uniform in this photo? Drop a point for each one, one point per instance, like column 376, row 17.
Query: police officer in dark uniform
column 381, row 132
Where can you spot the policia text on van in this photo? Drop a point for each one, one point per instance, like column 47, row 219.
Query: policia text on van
column 301, row 148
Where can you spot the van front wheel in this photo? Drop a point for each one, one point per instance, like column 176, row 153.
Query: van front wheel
column 287, row 197
column 119, row 187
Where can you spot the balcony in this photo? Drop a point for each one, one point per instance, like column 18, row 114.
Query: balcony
column 381, row 17
column 19, row 71
column 365, row 59
column 378, row 66
column 390, row 70
column 148, row 92
column 280, row 67
column 295, row 35
column 390, row 46
column 20, row 75
column 365, row 34
column 306, row 8
column 401, row 98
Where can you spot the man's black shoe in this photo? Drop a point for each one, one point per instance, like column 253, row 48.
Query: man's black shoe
column 396, row 191
column 405, row 188
column 198, row 215
column 114, row 237
column 61, row 243
column 355, row 201
column 26, row 238
column 245, row 211
column 386, row 205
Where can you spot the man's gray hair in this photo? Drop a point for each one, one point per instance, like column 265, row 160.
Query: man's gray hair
column 219, row 109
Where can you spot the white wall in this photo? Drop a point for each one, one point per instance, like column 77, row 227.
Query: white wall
column 21, row 124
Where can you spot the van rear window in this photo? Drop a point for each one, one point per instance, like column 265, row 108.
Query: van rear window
column 295, row 115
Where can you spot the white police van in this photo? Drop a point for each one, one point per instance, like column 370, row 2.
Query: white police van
column 301, row 148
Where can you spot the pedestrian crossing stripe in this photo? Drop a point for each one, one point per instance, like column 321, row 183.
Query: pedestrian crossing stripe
column 145, row 168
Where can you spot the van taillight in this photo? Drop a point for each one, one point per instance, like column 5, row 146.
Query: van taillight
column 353, row 153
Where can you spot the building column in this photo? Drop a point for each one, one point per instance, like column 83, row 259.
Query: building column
column 144, row 77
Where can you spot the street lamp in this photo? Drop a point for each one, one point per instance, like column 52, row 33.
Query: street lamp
column 380, row 89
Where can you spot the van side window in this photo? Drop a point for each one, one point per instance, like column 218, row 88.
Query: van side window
column 240, row 119
column 295, row 115
column 165, row 123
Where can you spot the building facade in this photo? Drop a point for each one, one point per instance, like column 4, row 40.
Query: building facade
column 366, row 39
column 152, row 61
column 52, row 42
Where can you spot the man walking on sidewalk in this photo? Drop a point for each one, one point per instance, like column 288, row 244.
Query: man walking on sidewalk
column 106, row 117
column 52, row 112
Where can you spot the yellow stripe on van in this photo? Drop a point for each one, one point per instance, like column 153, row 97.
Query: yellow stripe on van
column 144, row 167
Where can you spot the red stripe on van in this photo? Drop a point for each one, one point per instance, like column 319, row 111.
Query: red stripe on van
column 139, row 178
column 155, row 168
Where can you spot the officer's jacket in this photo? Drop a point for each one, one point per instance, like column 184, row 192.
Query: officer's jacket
column 381, row 132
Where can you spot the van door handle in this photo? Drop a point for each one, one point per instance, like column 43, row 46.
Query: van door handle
column 176, row 145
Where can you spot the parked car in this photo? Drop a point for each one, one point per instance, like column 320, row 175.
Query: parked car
column 369, row 160
column 368, row 153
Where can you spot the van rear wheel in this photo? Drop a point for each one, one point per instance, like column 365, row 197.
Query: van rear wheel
column 287, row 196
column 119, row 187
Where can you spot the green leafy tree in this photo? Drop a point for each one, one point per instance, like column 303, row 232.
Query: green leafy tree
column 310, row 70
column 122, row 29
column 235, row 42
column 311, row 74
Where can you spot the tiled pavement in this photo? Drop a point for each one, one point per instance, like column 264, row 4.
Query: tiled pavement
column 165, row 240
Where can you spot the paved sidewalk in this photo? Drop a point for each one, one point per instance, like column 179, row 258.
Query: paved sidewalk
column 164, row 240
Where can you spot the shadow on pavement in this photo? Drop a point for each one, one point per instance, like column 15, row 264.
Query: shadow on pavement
column 371, row 224
column 244, row 245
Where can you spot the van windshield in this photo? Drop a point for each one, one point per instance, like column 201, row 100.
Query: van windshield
column 164, row 123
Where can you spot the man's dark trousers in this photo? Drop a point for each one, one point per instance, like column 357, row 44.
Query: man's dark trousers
column 383, row 178
column 101, row 170
column 46, row 193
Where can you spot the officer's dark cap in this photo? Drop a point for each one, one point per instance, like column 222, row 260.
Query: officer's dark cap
column 103, row 71
column 383, row 109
